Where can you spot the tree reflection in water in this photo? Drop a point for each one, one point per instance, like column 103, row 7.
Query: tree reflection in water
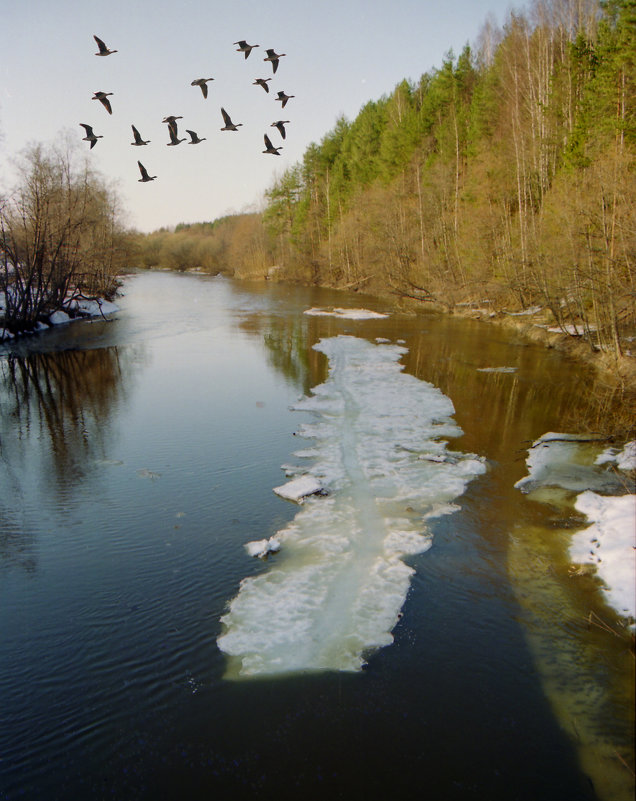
column 62, row 401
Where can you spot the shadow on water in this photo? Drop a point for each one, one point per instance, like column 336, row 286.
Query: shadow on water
column 110, row 676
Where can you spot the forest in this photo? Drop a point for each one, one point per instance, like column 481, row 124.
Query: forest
column 505, row 176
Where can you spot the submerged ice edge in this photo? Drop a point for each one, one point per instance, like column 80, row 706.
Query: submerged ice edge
column 335, row 590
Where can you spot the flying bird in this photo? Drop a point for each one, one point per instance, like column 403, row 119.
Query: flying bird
column 144, row 174
column 103, row 99
column 202, row 82
column 284, row 98
column 229, row 125
column 103, row 50
column 172, row 122
column 281, row 126
column 174, row 140
column 244, row 47
column 195, row 139
column 262, row 82
column 269, row 147
column 90, row 136
column 273, row 56
column 138, row 139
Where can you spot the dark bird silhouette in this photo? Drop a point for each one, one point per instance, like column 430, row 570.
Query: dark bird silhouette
column 262, row 82
column 195, row 139
column 229, row 125
column 144, row 174
column 174, row 139
column 138, row 139
column 244, row 47
column 90, row 136
column 269, row 147
column 103, row 99
column 172, row 122
column 202, row 83
column 284, row 98
column 281, row 126
column 273, row 56
column 103, row 50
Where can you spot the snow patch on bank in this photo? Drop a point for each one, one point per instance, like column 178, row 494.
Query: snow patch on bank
column 335, row 590
column 573, row 463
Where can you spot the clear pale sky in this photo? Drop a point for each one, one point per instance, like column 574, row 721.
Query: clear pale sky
column 339, row 56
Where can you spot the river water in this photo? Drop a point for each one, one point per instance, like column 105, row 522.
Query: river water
column 419, row 633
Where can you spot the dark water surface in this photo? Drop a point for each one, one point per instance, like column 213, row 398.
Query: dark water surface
column 137, row 458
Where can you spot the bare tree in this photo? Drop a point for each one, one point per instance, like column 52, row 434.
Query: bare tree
column 60, row 235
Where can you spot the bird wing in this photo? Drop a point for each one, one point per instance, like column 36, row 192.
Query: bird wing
column 226, row 117
column 87, row 128
column 100, row 44
column 204, row 88
column 142, row 170
column 268, row 143
column 106, row 103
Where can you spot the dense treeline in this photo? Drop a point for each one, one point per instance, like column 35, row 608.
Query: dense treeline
column 506, row 174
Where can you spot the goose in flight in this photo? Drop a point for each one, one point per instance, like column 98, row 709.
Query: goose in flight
column 281, row 126
column 284, row 98
column 103, row 50
column 194, row 138
column 138, row 139
column 174, row 139
column 103, row 99
column 244, row 47
column 229, row 125
column 90, row 136
column 262, row 82
column 172, row 122
column 269, row 147
column 144, row 174
column 273, row 56
column 202, row 82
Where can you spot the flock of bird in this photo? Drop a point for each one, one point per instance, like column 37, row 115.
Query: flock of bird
column 173, row 131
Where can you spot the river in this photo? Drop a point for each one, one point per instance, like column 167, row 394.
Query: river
column 145, row 654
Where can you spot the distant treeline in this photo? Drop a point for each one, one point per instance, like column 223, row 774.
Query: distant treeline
column 507, row 174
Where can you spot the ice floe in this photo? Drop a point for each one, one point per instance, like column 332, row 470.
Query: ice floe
column 346, row 314
column 335, row 591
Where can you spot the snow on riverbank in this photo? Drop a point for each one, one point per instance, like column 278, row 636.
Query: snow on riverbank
column 81, row 309
column 573, row 463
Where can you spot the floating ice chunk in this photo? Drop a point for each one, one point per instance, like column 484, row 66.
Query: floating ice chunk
column 496, row 369
column 566, row 461
column 299, row 488
column 59, row 318
column 337, row 590
column 346, row 314
column 609, row 545
column 262, row 548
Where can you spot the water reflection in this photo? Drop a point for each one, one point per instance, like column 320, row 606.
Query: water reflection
column 64, row 400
